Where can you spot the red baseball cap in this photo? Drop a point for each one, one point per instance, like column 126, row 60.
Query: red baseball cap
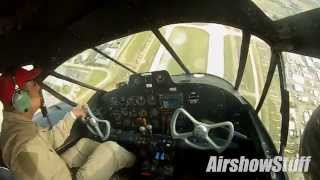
column 22, row 76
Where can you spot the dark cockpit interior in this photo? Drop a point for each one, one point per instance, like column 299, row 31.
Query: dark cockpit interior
column 141, row 115
column 173, row 123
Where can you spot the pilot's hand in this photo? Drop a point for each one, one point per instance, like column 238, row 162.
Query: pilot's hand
column 79, row 112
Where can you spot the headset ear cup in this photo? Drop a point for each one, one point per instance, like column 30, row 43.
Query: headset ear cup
column 21, row 101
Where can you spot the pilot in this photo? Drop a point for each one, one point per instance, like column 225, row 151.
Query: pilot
column 310, row 145
column 29, row 151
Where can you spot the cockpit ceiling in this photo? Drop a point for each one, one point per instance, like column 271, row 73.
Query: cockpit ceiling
column 49, row 32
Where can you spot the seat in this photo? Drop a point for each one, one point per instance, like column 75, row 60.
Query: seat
column 5, row 174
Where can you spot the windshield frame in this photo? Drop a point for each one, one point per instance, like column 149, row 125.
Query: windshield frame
column 245, row 43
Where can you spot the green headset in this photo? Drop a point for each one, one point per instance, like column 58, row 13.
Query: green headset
column 21, row 100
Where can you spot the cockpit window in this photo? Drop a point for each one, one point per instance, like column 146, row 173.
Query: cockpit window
column 302, row 77
column 191, row 42
column 278, row 9
column 270, row 111
column 202, row 47
column 255, row 73
column 85, row 67
column 71, row 91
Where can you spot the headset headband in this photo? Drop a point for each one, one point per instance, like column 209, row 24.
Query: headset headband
column 16, row 86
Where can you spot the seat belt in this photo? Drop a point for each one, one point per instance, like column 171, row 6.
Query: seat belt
column 44, row 111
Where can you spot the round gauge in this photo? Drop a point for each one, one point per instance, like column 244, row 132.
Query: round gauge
column 116, row 115
column 122, row 100
column 114, row 101
column 140, row 100
column 117, row 118
column 194, row 98
column 131, row 101
column 151, row 100
column 160, row 79
column 143, row 113
column 133, row 113
column 124, row 112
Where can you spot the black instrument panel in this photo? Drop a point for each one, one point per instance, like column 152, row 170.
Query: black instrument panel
column 151, row 99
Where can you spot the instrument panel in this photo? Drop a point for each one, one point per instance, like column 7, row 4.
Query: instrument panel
column 151, row 98
column 148, row 99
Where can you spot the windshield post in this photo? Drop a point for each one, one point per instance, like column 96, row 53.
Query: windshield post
column 284, row 108
column 57, row 95
column 105, row 55
column 60, row 76
column 113, row 60
column 243, row 57
column 272, row 67
column 175, row 56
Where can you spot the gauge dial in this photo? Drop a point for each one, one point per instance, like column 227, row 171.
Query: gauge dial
column 151, row 100
column 117, row 118
column 140, row 100
column 114, row 101
column 133, row 113
column 143, row 113
column 124, row 112
column 160, row 79
column 122, row 100
column 194, row 98
column 131, row 101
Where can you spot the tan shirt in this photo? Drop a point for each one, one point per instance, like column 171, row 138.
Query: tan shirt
column 28, row 150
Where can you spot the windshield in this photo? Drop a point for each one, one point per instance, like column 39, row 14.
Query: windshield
column 202, row 48
column 278, row 9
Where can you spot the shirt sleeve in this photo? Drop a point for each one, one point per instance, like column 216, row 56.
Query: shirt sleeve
column 61, row 131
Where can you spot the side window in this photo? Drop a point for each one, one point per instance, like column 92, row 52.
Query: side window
column 91, row 68
column 71, row 91
column 231, row 45
column 254, row 78
column 302, row 77
column 256, row 70
column 56, row 111
column 137, row 52
column 270, row 111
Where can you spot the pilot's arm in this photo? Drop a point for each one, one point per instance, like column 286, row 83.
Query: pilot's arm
column 37, row 161
column 61, row 131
